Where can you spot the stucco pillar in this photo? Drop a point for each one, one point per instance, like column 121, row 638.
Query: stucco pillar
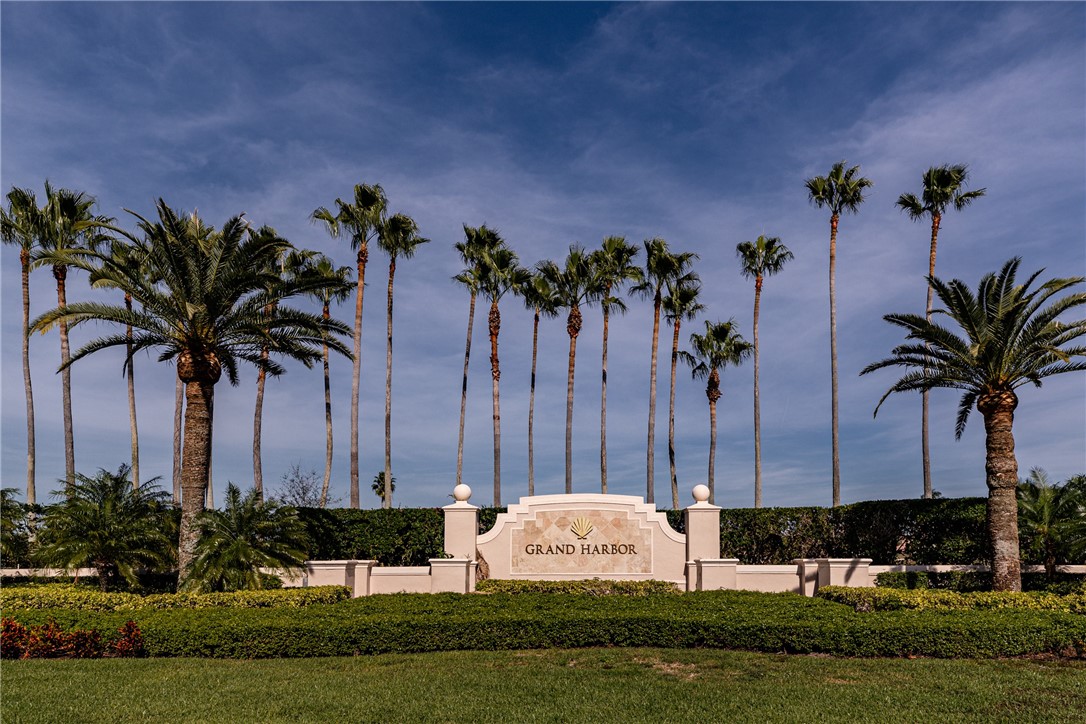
column 843, row 572
column 362, row 570
column 717, row 574
column 452, row 575
column 461, row 525
column 702, row 527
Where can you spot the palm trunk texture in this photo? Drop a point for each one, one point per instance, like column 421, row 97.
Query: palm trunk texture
column 464, row 396
column 925, row 449
column 712, row 391
column 178, row 411
column 833, row 364
column 495, row 323
column 671, row 418
column 60, row 273
column 363, row 256
column 531, row 405
column 31, row 450
column 651, row 454
column 386, row 501
column 757, row 401
column 258, row 419
column 326, row 313
column 603, row 402
column 132, row 399
column 573, row 327
column 1001, row 469
column 199, row 377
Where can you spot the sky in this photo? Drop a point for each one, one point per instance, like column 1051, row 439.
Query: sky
column 561, row 123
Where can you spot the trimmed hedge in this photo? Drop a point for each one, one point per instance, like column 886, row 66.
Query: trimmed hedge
column 588, row 587
column 896, row 599
column 719, row 619
column 965, row 581
column 82, row 598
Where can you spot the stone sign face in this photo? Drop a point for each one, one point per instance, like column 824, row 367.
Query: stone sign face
column 583, row 536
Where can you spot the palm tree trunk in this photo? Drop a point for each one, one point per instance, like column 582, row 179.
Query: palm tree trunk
column 386, row 499
column 326, row 313
column 31, row 449
column 925, row 449
column 1001, row 468
column 132, row 398
column 531, row 406
column 195, row 467
column 573, row 327
column 603, row 401
column 363, row 256
column 649, row 483
column 495, row 320
column 464, row 395
column 60, row 273
column 258, row 419
column 178, row 409
column 671, row 418
column 712, row 391
column 209, row 497
column 757, row 401
column 833, row 364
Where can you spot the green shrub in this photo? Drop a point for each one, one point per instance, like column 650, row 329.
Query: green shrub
column 81, row 598
column 897, row 599
column 588, row 587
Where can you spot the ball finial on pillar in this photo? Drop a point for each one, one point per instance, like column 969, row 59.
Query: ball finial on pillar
column 461, row 493
column 701, row 493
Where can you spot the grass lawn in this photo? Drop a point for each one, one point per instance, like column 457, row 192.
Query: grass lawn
column 591, row 685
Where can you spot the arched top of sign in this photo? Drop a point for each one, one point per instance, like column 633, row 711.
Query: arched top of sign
column 576, row 506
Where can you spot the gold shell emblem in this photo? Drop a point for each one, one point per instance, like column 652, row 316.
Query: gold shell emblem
column 581, row 528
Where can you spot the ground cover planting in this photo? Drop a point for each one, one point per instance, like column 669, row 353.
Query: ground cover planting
column 604, row 685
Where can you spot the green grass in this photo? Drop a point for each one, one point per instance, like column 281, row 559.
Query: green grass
column 592, row 685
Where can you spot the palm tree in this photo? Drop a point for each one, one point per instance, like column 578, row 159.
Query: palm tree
column 247, row 535
column 21, row 224
column 361, row 219
column 14, row 531
column 539, row 296
column 841, row 191
column 335, row 287
column 720, row 346
column 1010, row 338
column 759, row 259
column 109, row 524
column 399, row 238
column 574, row 284
column 378, row 486
column 500, row 274
column 208, row 312
column 661, row 267
column 1054, row 518
column 478, row 242
column 680, row 303
column 942, row 188
column 614, row 265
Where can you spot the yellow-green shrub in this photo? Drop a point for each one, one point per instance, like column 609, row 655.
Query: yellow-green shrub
column 81, row 598
column 895, row 599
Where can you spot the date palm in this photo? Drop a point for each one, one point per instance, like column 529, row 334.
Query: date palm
column 1054, row 517
column 335, row 286
column 1010, row 335
column 615, row 267
column 662, row 267
column 477, row 244
column 538, row 296
column 720, row 346
column 680, row 303
column 500, row 274
column 942, row 190
column 204, row 306
column 574, row 284
column 763, row 257
column 360, row 218
column 399, row 238
column 840, row 191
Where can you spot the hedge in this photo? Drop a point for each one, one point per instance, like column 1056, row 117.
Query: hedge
column 588, row 587
column 896, row 599
column 82, row 598
column 719, row 619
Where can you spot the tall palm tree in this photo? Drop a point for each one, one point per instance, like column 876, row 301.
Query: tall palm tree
column 841, row 191
column 720, row 346
column 501, row 274
column 399, row 238
column 478, row 242
column 661, row 267
column 942, row 189
column 207, row 313
column 680, row 303
column 21, row 224
column 361, row 219
column 615, row 267
column 763, row 257
column 574, row 284
column 69, row 232
column 335, row 287
column 538, row 296
column 1008, row 337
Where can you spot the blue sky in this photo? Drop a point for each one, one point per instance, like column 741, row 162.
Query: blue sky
column 558, row 123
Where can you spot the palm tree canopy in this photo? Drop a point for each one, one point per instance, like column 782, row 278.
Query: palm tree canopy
column 614, row 265
column 478, row 243
column 942, row 187
column 763, row 257
column 681, row 302
column 575, row 283
column 1052, row 517
column 500, row 272
column 720, row 346
column 663, row 266
column 212, row 296
column 1008, row 337
column 336, row 283
column 399, row 237
column 60, row 232
column 361, row 218
column 840, row 190
column 247, row 535
column 539, row 295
